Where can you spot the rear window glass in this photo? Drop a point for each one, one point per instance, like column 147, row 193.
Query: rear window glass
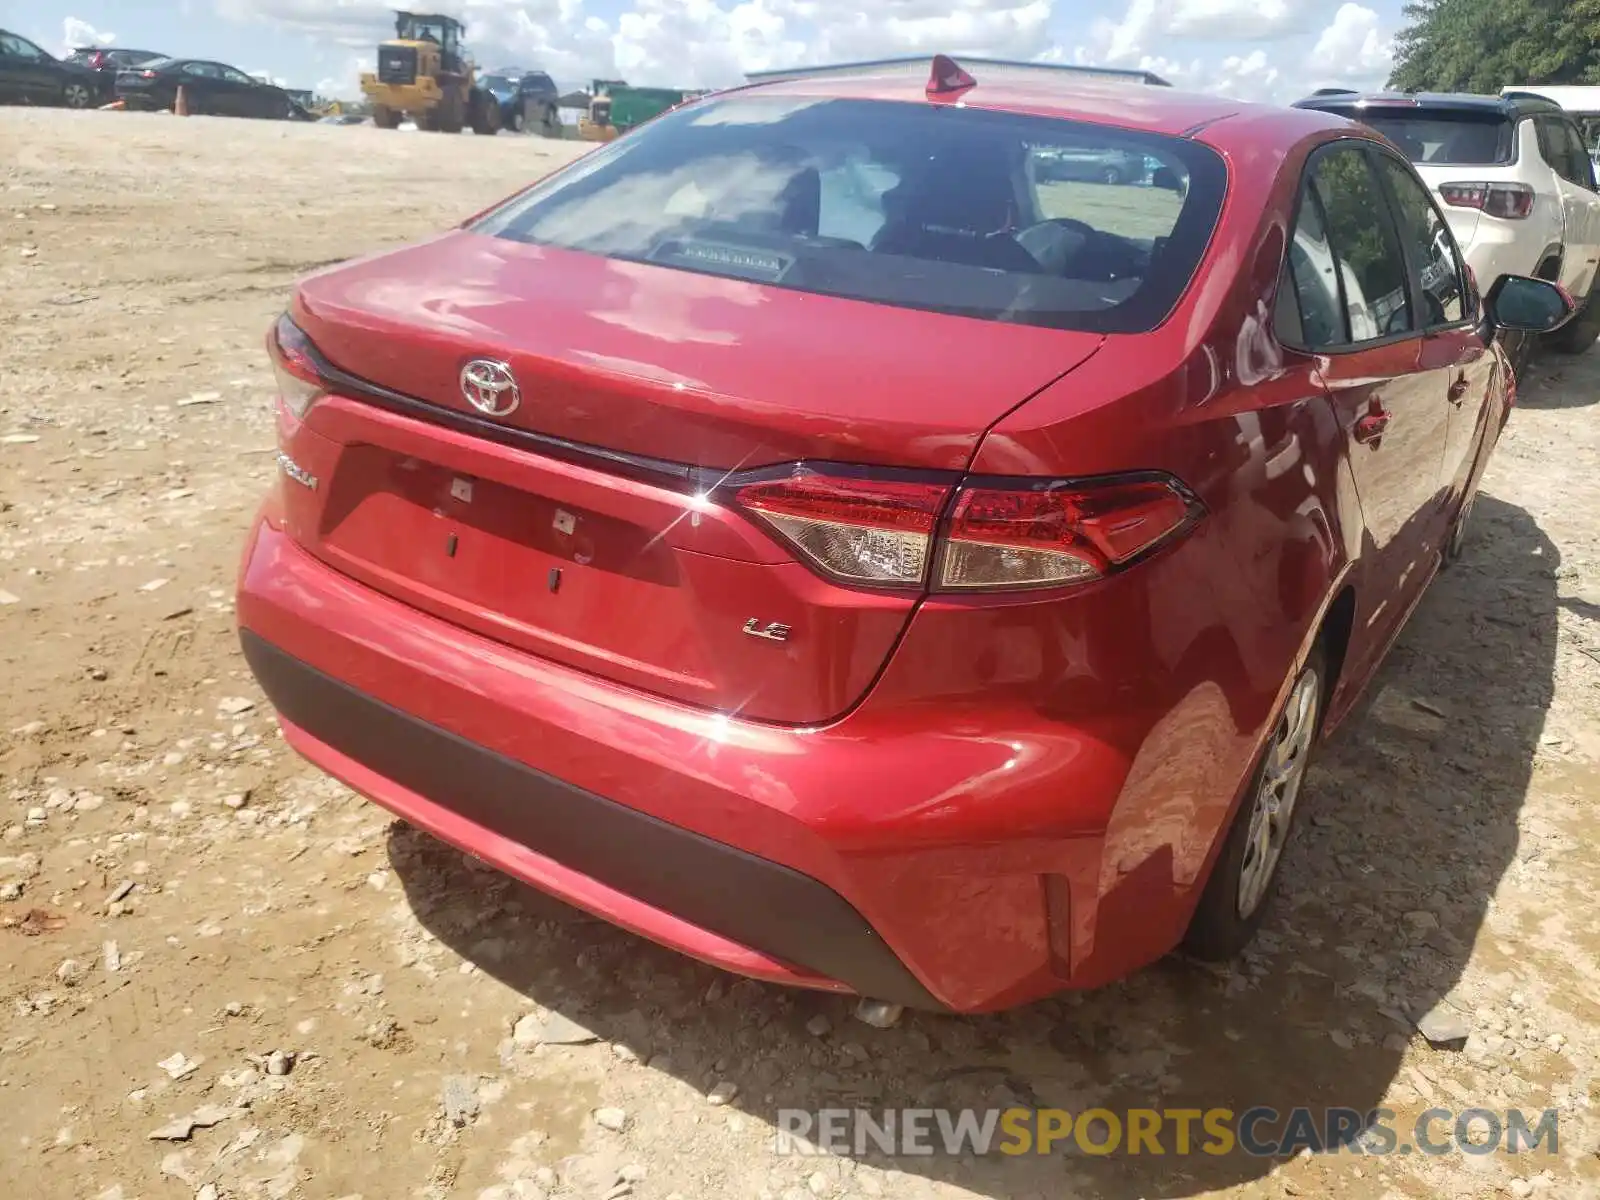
column 1447, row 138
column 982, row 214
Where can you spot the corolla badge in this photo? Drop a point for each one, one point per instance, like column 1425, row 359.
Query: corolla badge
column 490, row 387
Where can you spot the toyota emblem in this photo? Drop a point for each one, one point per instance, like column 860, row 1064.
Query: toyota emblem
column 490, row 387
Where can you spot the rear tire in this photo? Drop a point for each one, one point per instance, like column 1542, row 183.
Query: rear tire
column 484, row 111
column 551, row 125
column 516, row 122
column 385, row 118
column 1239, row 891
column 77, row 95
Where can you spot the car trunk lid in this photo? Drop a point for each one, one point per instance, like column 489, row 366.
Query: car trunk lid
column 675, row 365
column 632, row 576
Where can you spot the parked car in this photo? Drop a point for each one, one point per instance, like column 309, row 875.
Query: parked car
column 29, row 75
column 210, row 89
column 1089, row 164
column 949, row 609
column 107, row 61
column 528, row 100
column 1516, row 182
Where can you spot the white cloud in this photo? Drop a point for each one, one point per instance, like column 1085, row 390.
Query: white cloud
column 1237, row 20
column 75, row 33
column 1001, row 28
column 1248, row 77
column 347, row 84
column 1143, row 23
column 1352, row 49
column 347, row 22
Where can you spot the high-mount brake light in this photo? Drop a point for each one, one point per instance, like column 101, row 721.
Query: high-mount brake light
column 295, row 364
column 885, row 532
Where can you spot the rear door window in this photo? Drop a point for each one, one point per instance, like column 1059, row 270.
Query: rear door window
column 1362, row 236
column 16, row 47
column 1310, row 312
column 982, row 214
column 1427, row 240
column 1574, row 164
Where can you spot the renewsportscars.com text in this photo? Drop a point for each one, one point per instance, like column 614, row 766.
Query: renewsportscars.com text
column 1261, row 1131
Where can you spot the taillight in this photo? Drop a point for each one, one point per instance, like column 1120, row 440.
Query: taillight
column 883, row 532
column 1058, row 534
column 147, row 74
column 295, row 362
column 1511, row 201
column 857, row 529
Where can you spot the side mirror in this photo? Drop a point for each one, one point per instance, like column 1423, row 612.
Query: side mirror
column 1527, row 305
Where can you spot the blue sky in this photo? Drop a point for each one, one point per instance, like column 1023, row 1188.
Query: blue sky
column 1259, row 49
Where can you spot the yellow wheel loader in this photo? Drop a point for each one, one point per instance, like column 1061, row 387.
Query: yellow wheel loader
column 424, row 75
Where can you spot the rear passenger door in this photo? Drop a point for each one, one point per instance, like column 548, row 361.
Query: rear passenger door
column 1453, row 347
column 1352, row 303
column 248, row 97
column 202, row 85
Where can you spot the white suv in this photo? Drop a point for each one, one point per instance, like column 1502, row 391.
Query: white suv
column 1513, row 178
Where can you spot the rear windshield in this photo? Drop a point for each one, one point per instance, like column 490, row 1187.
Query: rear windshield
column 1443, row 137
column 1009, row 218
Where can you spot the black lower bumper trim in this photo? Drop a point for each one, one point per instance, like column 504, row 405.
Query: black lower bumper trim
column 747, row 899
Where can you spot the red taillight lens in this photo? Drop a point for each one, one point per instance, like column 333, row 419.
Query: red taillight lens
column 1047, row 537
column 1510, row 201
column 147, row 74
column 857, row 529
column 885, row 532
column 295, row 363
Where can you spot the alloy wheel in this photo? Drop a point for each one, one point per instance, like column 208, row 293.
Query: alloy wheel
column 77, row 95
column 1277, row 789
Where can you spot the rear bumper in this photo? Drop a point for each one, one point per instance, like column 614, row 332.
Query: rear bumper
column 703, row 897
column 923, row 854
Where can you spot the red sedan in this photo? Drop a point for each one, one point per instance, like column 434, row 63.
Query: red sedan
column 815, row 535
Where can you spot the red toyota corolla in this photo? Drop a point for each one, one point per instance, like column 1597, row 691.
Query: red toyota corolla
column 884, row 537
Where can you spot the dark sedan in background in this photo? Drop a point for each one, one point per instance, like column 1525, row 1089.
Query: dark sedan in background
column 107, row 61
column 29, row 75
column 211, row 89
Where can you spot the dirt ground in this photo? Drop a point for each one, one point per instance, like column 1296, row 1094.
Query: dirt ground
column 196, row 925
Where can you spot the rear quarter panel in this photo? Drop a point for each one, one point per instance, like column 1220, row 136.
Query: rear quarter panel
column 1212, row 630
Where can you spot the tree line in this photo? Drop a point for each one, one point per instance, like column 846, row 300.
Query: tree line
column 1481, row 45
